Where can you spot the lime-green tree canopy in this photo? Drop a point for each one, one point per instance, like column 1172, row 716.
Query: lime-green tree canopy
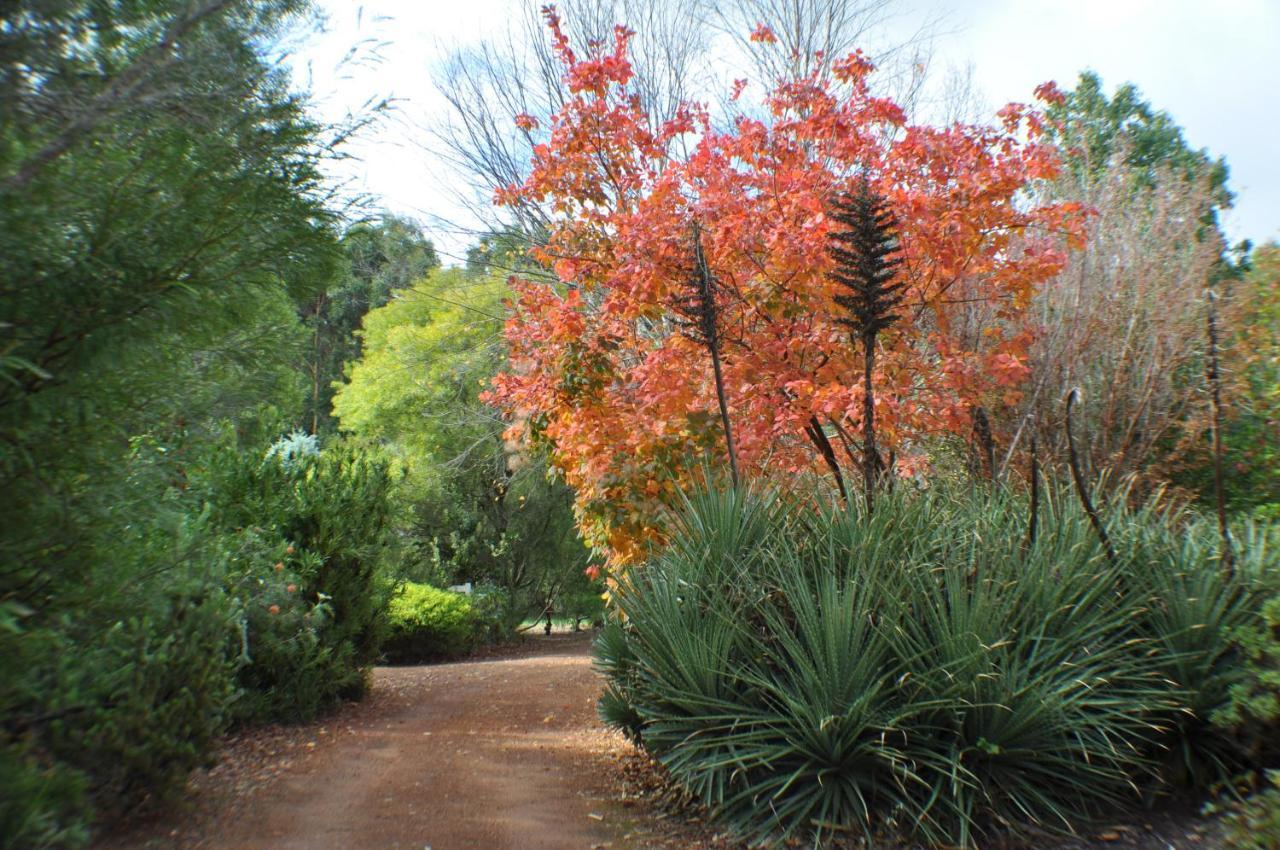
column 427, row 353
column 382, row 257
column 483, row 513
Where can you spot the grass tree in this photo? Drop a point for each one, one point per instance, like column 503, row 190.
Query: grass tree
column 698, row 315
column 863, row 247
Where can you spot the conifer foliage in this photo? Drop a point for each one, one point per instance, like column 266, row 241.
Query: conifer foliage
column 867, row 268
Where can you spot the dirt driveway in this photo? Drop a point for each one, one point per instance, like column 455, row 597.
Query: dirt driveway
column 493, row 755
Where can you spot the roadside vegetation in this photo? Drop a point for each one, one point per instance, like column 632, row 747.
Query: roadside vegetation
column 924, row 472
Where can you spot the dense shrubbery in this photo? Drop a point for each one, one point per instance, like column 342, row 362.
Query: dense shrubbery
column 221, row 610
column 424, row 623
column 114, row 688
column 1253, row 823
column 313, row 530
column 162, row 213
column 924, row 670
column 174, row 269
column 124, row 716
column 1255, row 698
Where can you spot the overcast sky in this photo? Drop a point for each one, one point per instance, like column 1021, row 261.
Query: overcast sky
column 1213, row 66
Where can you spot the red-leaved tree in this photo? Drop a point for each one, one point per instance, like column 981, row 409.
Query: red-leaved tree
column 627, row 404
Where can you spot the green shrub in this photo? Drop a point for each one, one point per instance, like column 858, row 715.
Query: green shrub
column 116, row 686
column 232, row 590
column 142, row 704
column 1254, row 823
column 922, row 670
column 1252, row 710
column 44, row 804
column 114, row 719
column 425, row 624
column 617, row 663
column 311, row 535
column 288, row 669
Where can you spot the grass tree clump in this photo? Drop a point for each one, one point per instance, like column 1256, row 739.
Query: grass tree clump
column 925, row 670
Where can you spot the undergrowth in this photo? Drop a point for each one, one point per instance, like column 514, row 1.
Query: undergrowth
column 807, row 672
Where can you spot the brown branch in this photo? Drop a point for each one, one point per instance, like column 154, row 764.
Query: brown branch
column 819, row 438
column 120, row 93
column 1083, row 492
column 986, row 443
column 1034, row 519
column 1215, row 387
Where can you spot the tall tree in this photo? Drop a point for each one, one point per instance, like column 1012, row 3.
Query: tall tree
column 157, row 168
column 1097, row 132
column 1249, row 318
column 503, row 93
column 383, row 257
column 162, row 214
column 1125, row 320
column 598, row 367
column 482, row 510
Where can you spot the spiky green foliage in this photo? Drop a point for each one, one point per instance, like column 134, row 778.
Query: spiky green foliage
column 1192, row 613
column 925, row 669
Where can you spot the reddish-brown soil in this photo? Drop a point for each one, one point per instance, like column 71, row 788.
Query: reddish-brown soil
column 492, row 754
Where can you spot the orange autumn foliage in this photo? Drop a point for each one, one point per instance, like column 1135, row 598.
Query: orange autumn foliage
column 625, row 403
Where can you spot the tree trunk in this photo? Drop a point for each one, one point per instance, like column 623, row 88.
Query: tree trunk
column 868, row 423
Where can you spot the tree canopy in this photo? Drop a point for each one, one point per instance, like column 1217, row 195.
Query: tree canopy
column 599, row 372
column 482, row 510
